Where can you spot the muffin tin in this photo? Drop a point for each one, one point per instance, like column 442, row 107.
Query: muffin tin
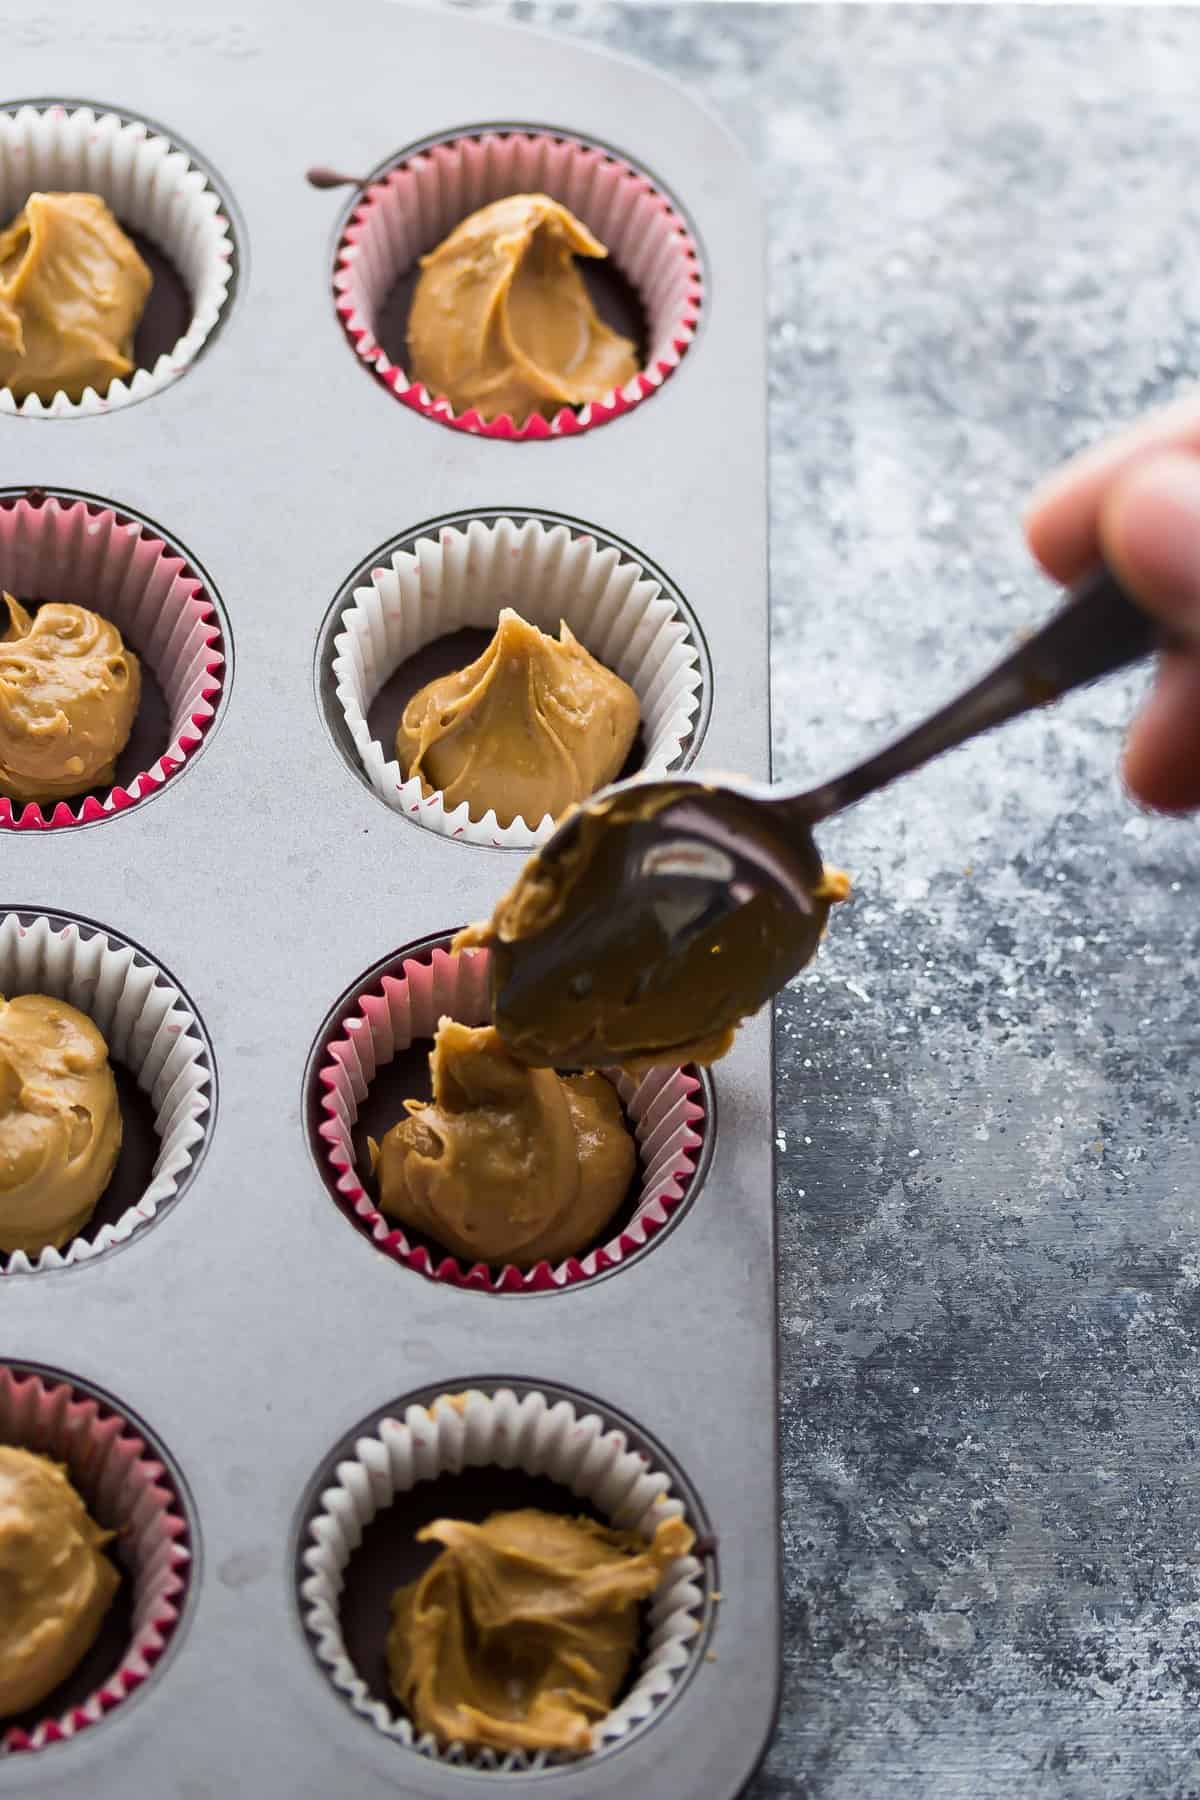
column 260, row 1333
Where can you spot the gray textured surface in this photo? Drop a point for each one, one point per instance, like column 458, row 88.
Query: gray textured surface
column 985, row 252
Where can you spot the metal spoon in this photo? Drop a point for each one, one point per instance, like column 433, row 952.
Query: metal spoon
column 663, row 911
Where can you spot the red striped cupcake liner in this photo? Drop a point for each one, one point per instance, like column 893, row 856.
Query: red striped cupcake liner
column 128, row 1491
column 666, row 1109
column 72, row 550
column 412, row 208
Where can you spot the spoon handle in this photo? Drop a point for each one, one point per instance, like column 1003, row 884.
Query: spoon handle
column 1098, row 630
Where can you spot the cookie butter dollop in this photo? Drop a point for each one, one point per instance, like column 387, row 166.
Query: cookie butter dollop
column 60, row 1122
column 72, row 290
column 505, row 1164
column 501, row 320
column 530, row 727
column 521, row 1631
column 69, row 692
column 55, row 1584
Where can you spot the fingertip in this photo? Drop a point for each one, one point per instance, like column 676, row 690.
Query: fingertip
column 1155, row 791
column 1061, row 517
column 1059, row 532
column 1160, row 765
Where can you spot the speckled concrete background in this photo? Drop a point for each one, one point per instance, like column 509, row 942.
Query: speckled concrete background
column 985, row 251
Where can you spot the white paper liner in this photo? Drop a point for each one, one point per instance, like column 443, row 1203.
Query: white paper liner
column 148, row 1026
column 127, row 1490
column 152, row 188
column 544, row 1437
column 73, row 551
column 408, row 213
column 663, row 1106
column 547, row 573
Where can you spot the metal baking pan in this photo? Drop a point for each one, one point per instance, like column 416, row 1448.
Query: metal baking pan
column 250, row 1327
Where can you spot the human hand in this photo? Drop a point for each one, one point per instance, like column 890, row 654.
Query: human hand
column 1135, row 500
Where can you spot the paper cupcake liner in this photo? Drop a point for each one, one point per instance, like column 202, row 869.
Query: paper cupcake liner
column 465, row 576
column 152, row 188
column 127, row 1490
column 87, row 555
column 664, row 1108
column 543, row 1436
column 148, row 1025
column 407, row 213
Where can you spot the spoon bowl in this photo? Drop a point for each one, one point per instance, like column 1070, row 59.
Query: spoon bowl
column 662, row 912
column 679, row 906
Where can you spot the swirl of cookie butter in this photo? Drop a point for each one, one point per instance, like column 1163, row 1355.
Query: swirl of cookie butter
column 505, row 1164
column 60, row 1121
column 502, row 322
column 69, row 692
column 55, row 1582
column 522, row 1629
column 72, row 290
column 526, row 730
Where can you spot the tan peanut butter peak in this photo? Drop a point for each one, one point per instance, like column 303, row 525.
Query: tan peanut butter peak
column 69, row 693
column 72, row 292
column 522, row 1630
column 55, row 1583
column 532, row 726
column 501, row 321
column 505, row 1164
column 60, row 1121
